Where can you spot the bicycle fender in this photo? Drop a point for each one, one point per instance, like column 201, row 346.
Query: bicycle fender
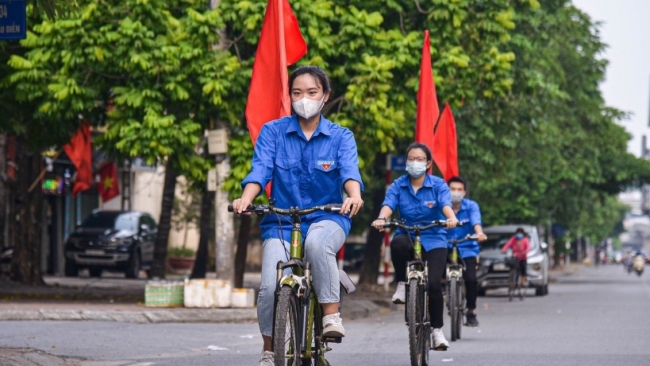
column 291, row 281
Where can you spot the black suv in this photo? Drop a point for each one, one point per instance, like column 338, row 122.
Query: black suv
column 116, row 240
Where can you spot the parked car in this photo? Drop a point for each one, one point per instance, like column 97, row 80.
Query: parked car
column 116, row 240
column 493, row 272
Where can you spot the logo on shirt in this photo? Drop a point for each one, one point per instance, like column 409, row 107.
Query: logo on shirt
column 430, row 204
column 325, row 164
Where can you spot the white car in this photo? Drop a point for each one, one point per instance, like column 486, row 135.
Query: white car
column 493, row 272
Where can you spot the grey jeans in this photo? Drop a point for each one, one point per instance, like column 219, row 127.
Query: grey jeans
column 323, row 241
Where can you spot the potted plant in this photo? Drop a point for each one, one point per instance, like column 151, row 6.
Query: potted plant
column 181, row 258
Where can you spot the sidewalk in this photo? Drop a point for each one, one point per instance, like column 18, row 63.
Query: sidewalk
column 112, row 298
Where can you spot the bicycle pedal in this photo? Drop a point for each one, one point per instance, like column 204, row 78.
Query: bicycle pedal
column 332, row 339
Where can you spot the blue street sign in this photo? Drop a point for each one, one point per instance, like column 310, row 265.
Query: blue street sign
column 13, row 19
column 398, row 163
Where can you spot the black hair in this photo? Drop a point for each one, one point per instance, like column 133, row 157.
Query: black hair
column 458, row 180
column 520, row 230
column 423, row 147
column 316, row 72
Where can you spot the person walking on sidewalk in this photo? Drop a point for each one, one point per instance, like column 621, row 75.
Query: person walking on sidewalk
column 469, row 215
column 420, row 198
column 310, row 161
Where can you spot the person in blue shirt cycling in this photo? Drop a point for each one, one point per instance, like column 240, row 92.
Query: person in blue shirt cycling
column 310, row 161
column 469, row 215
column 420, row 198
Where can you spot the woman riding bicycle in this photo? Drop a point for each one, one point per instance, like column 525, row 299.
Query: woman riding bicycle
column 520, row 246
column 420, row 198
column 310, row 160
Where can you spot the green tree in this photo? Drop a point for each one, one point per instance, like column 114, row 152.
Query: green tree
column 145, row 69
column 372, row 53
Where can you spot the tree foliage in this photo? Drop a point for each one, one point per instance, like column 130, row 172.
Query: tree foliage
column 536, row 140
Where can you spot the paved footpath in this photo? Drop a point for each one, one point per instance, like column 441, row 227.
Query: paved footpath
column 117, row 299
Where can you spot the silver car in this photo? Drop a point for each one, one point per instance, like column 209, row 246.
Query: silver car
column 493, row 272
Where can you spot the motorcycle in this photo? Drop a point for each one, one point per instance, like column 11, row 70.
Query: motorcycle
column 638, row 263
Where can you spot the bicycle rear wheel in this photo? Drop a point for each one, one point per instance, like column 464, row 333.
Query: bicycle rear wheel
column 418, row 340
column 453, row 308
column 461, row 305
column 286, row 343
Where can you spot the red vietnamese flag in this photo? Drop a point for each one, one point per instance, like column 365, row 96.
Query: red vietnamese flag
column 281, row 44
column 445, row 149
column 80, row 153
column 108, row 185
column 427, row 110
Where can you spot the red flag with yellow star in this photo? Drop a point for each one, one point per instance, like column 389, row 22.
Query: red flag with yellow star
column 108, row 185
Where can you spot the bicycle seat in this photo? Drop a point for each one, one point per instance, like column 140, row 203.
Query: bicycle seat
column 346, row 282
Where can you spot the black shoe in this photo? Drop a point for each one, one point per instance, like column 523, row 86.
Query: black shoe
column 471, row 320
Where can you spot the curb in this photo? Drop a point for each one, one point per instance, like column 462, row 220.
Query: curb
column 351, row 310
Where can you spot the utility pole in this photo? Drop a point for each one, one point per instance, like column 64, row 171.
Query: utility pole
column 224, row 221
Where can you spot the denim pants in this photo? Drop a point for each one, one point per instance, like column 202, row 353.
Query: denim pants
column 322, row 242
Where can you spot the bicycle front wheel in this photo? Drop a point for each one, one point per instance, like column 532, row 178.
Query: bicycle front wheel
column 418, row 335
column 286, row 343
column 453, row 308
column 512, row 285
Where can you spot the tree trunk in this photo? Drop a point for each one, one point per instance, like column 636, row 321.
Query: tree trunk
column 242, row 249
column 205, row 226
column 164, row 224
column 3, row 189
column 26, row 260
column 372, row 257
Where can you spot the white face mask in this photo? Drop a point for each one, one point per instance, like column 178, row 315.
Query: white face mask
column 307, row 108
column 416, row 168
column 457, row 197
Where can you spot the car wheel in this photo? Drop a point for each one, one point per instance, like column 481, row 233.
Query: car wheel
column 95, row 271
column 133, row 270
column 71, row 269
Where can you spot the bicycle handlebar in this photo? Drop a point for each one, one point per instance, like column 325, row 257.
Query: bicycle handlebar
column 436, row 223
column 458, row 241
column 265, row 209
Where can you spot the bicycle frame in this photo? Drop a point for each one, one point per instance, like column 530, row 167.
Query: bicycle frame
column 418, row 269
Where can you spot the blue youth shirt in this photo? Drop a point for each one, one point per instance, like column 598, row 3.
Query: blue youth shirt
column 421, row 208
column 305, row 173
column 469, row 215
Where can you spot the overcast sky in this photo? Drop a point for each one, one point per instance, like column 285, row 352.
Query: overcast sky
column 626, row 29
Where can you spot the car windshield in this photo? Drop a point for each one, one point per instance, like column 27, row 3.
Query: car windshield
column 498, row 240
column 495, row 241
column 110, row 220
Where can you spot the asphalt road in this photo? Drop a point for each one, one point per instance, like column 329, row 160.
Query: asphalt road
column 599, row 316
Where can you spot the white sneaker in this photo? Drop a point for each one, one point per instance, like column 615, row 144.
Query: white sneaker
column 267, row 358
column 399, row 297
column 439, row 341
column 333, row 326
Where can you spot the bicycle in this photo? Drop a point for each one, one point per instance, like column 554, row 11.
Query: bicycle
column 416, row 312
column 297, row 313
column 514, row 286
column 456, row 297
